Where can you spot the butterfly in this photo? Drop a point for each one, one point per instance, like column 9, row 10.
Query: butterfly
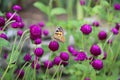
column 59, row 34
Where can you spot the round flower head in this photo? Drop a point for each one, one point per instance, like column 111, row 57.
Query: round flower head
column 2, row 21
column 65, row 63
column 57, row 60
column 110, row 41
column 64, row 56
column 81, row 56
column 15, row 25
column 82, row 2
column 35, row 65
column 48, row 64
column 41, row 24
column 97, row 64
column 38, row 52
column 87, row 78
column 27, row 57
column 117, row 6
column 8, row 15
column 117, row 26
column 70, row 48
column 86, row 29
column 4, row 36
column 5, row 55
column 96, row 23
column 45, row 32
column 74, row 53
column 37, row 41
column 53, row 45
column 20, row 73
column 16, row 8
column 95, row 50
column 105, row 56
column 35, row 32
column 102, row 35
column 17, row 18
column 19, row 32
column 21, row 24
column 115, row 31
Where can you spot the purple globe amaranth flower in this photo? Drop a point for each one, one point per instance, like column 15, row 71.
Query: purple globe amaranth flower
column 53, row 45
column 110, row 41
column 105, row 56
column 48, row 64
column 38, row 52
column 19, row 32
column 81, row 56
column 65, row 63
column 21, row 24
column 35, row 65
column 114, row 31
column 97, row 64
column 86, row 29
column 27, row 57
column 64, row 56
column 2, row 21
column 57, row 60
column 8, row 15
column 45, row 32
column 117, row 26
column 102, row 35
column 4, row 36
column 96, row 23
column 5, row 55
column 74, row 53
column 95, row 50
column 41, row 24
column 70, row 48
column 35, row 32
column 82, row 2
column 17, row 8
column 87, row 78
column 17, row 18
column 37, row 41
column 20, row 73
column 117, row 6
column 14, row 25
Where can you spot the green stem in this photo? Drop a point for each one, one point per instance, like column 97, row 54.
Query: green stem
column 60, row 73
column 83, row 41
column 50, row 7
column 84, row 74
column 21, row 70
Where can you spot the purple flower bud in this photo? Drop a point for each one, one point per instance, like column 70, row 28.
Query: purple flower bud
column 75, row 53
column 5, row 55
column 97, row 64
column 15, row 25
column 87, row 78
column 70, row 48
column 110, row 41
column 17, row 18
column 4, row 36
column 64, row 63
column 20, row 73
column 53, row 45
column 48, row 64
column 64, row 56
column 21, row 24
column 105, row 56
column 57, row 60
column 86, row 29
column 82, row 2
column 19, row 32
column 81, row 56
column 2, row 21
column 37, row 41
column 115, row 31
column 38, row 52
column 45, row 32
column 102, row 35
column 117, row 26
column 35, row 65
column 117, row 6
column 27, row 57
column 41, row 24
column 8, row 15
column 35, row 32
column 16, row 8
column 96, row 23
column 95, row 50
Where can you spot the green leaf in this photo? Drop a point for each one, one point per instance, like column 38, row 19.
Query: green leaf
column 4, row 43
column 58, row 11
column 42, row 7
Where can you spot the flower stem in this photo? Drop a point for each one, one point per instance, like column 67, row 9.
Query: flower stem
column 83, row 41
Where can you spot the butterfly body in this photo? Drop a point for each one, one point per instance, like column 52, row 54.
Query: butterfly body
column 59, row 35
